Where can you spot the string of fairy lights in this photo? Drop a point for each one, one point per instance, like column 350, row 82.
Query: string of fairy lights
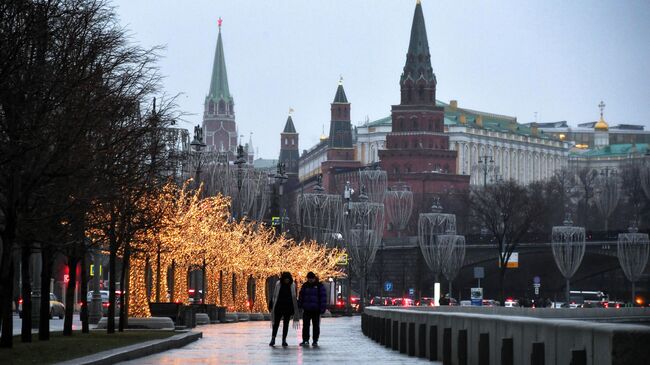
column 197, row 233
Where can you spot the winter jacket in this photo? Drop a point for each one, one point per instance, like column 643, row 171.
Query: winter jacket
column 276, row 293
column 313, row 297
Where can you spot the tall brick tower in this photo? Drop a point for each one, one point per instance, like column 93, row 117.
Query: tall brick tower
column 417, row 143
column 289, row 154
column 340, row 151
column 219, row 108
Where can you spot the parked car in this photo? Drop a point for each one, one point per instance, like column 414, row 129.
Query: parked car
column 465, row 303
column 403, row 302
column 511, row 303
column 491, row 303
column 381, row 301
column 104, row 294
column 56, row 308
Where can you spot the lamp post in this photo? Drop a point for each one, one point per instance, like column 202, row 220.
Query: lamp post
column 485, row 166
column 197, row 144
column 95, row 312
column 240, row 161
column 281, row 178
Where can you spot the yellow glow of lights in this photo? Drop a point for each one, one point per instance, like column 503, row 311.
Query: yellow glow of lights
column 192, row 233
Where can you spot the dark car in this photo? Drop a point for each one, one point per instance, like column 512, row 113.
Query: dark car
column 381, row 301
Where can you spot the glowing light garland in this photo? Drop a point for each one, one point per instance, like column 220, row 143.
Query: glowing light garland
column 192, row 231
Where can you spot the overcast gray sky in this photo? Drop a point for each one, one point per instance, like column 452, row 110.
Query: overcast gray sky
column 555, row 57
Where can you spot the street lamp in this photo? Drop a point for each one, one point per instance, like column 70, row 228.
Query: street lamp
column 280, row 178
column 485, row 166
column 240, row 162
column 197, row 144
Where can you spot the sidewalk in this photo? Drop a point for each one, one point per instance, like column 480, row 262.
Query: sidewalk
column 341, row 342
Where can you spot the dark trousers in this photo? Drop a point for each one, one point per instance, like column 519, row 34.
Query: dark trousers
column 286, row 318
column 314, row 317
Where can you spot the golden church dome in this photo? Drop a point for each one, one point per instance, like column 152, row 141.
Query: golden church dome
column 601, row 125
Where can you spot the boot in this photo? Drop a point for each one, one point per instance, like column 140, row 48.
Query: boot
column 272, row 343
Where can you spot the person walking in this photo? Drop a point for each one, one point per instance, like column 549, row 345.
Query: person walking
column 283, row 306
column 313, row 301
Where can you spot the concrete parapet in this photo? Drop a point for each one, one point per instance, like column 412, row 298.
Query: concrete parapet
column 154, row 323
column 489, row 336
column 202, row 318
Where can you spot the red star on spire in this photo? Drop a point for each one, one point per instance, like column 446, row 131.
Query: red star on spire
column 219, row 21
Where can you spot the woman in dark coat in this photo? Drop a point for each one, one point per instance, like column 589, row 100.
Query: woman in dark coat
column 283, row 306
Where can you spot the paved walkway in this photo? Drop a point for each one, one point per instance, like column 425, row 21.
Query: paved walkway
column 341, row 342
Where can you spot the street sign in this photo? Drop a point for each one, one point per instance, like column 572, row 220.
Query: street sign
column 411, row 292
column 479, row 272
column 388, row 286
column 537, row 280
column 92, row 270
column 476, row 294
column 513, row 261
column 343, row 259
column 275, row 221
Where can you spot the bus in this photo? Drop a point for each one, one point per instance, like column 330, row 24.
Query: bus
column 588, row 299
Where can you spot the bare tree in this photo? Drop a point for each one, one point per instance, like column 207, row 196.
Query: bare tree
column 70, row 92
column 508, row 210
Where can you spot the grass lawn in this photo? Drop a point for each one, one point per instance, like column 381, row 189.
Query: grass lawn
column 60, row 348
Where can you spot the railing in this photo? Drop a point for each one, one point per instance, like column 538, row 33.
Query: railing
column 500, row 336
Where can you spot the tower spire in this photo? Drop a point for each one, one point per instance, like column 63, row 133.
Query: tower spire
column 418, row 82
column 219, row 82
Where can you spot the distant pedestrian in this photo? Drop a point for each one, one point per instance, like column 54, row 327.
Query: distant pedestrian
column 283, row 306
column 313, row 301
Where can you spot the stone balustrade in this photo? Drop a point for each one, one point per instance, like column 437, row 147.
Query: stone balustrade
column 513, row 335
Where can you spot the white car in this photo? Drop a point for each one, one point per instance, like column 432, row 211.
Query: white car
column 56, row 308
column 510, row 303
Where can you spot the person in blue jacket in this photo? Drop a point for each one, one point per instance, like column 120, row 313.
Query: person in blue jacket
column 313, row 301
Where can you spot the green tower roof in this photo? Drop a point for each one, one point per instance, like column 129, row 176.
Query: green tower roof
column 340, row 95
column 418, row 58
column 288, row 127
column 219, row 82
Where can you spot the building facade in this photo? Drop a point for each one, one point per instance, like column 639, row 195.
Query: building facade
column 512, row 150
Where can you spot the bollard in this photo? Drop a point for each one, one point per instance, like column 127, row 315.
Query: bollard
column 537, row 355
column 507, row 353
column 363, row 324
column 462, row 347
column 376, row 328
column 484, row 349
column 395, row 337
column 422, row 340
column 402, row 337
column 433, row 343
column 382, row 338
column 446, row 346
column 578, row 357
column 387, row 329
column 411, row 340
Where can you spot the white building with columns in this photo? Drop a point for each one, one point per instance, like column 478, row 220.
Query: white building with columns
column 490, row 146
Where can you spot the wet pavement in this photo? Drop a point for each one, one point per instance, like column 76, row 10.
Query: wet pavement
column 341, row 342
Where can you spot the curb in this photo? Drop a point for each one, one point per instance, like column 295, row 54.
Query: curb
column 137, row 350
